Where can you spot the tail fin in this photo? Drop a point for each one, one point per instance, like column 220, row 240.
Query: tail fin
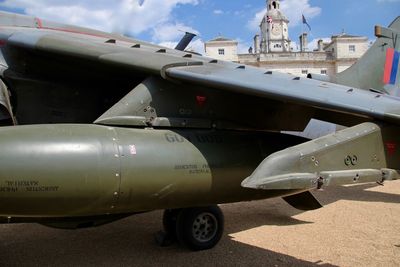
column 379, row 68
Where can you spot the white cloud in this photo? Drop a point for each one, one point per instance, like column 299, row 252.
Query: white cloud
column 243, row 47
column 254, row 23
column 293, row 9
column 294, row 46
column 314, row 43
column 195, row 46
column 123, row 16
column 170, row 32
column 169, row 44
column 218, row 12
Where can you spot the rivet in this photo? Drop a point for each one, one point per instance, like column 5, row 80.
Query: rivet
column 117, row 174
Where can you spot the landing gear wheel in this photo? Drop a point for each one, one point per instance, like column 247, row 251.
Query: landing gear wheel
column 200, row 228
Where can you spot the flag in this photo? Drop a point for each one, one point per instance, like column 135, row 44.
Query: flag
column 305, row 22
column 269, row 19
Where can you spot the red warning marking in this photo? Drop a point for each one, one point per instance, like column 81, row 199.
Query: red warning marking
column 3, row 43
column 388, row 65
column 38, row 23
column 391, row 148
column 201, row 100
column 132, row 149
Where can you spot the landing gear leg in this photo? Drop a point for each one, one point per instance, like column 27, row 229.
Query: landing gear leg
column 168, row 236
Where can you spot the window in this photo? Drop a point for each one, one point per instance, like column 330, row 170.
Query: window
column 221, row 52
column 304, row 71
column 352, row 48
column 323, row 72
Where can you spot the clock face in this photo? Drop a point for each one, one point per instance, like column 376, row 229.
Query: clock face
column 276, row 29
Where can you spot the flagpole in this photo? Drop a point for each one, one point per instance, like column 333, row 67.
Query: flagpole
column 301, row 34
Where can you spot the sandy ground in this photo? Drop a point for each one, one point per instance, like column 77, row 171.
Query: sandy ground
column 359, row 226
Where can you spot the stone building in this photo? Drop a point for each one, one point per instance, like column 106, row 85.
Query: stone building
column 272, row 48
column 222, row 48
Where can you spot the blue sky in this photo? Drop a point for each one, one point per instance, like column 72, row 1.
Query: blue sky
column 159, row 21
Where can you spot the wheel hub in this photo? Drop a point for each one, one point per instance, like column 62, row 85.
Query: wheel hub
column 205, row 227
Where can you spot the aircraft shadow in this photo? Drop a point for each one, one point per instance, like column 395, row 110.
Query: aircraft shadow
column 131, row 241
column 128, row 242
column 356, row 193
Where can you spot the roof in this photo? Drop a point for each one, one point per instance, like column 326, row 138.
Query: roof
column 346, row 36
column 222, row 39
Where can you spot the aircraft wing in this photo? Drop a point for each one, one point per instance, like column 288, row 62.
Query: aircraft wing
column 180, row 66
column 293, row 89
column 100, row 49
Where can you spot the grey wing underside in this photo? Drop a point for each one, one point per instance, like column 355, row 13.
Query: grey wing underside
column 291, row 89
column 178, row 66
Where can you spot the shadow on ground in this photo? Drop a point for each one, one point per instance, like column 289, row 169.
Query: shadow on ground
column 131, row 241
column 357, row 193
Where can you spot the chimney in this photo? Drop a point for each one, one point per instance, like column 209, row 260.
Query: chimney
column 256, row 44
column 320, row 45
column 303, row 42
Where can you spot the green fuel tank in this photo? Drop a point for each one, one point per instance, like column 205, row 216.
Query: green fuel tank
column 87, row 170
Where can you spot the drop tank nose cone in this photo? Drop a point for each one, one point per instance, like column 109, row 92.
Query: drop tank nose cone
column 249, row 183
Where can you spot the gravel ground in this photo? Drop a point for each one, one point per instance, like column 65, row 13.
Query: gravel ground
column 359, row 226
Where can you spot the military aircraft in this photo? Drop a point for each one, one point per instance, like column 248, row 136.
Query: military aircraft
column 99, row 126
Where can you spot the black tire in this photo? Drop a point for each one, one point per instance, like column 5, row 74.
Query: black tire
column 169, row 221
column 200, row 228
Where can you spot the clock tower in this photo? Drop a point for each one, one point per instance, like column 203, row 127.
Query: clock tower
column 274, row 29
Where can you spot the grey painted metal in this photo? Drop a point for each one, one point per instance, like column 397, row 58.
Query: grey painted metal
column 339, row 158
column 86, row 170
column 308, row 92
column 225, row 76
column 62, row 73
